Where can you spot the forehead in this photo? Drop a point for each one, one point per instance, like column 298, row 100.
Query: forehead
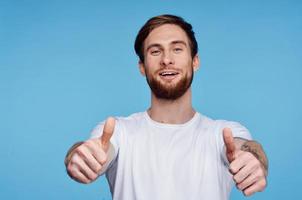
column 165, row 35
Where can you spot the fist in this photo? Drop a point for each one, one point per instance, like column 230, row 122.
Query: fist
column 88, row 160
column 248, row 172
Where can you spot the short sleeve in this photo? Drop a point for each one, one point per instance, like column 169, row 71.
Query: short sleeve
column 238, row 130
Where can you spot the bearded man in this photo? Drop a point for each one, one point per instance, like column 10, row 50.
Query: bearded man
column 170, row 151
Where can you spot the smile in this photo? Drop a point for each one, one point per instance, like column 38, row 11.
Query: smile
column 168, row 75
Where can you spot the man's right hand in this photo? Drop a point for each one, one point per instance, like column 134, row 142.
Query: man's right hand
column 87, row 160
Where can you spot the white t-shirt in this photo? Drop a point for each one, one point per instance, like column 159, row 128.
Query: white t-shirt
column 156, row 161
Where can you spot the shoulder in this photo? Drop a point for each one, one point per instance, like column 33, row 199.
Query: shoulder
column 217, row 125
column 133, row 118
column 120, row 124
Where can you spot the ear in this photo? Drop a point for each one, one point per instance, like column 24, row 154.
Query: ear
column 196, row 62
column 142, row 68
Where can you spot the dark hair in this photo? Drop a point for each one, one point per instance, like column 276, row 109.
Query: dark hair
column 160, row 20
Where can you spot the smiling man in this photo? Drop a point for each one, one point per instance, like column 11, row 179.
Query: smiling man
column 169, row 151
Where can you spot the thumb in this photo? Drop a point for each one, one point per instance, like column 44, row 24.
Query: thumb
column 107, row 131
column 229, row 144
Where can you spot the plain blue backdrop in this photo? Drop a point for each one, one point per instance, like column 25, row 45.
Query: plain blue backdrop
column 66, row 65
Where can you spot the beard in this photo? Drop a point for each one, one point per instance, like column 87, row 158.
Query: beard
column 169, row 91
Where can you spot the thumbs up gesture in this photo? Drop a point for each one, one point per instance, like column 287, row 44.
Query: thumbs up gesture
column 89, row 158
column 248, row 172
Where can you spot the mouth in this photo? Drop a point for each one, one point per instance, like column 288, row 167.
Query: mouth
column 168, row 74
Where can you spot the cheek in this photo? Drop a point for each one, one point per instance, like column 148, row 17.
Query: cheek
column 185, row 64
column 152, row 64
column 151, row 60
column 183, row 58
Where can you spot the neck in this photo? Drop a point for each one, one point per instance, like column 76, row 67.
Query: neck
column 176, row 111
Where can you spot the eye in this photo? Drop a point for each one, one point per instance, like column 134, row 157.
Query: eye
column 178, row 50
column 155, row 52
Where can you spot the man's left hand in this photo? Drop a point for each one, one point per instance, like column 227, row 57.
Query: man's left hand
column 248, row 172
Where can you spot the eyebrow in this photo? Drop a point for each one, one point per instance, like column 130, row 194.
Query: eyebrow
column 179, row 42
column 173, row 42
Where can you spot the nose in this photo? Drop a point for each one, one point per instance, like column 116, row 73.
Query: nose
column 167, row 59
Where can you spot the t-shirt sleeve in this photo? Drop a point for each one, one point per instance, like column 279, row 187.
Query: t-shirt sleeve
column 114, row 140
column 238, row 130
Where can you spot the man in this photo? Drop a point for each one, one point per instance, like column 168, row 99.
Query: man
column 169, row 151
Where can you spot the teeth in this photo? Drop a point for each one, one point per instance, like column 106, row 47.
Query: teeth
column 168, row 73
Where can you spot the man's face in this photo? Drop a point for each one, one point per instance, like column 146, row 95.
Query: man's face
column 168, row 64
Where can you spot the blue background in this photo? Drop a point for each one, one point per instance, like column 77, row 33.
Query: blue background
column 65, row 66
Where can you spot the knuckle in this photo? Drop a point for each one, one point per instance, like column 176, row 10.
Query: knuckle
column 239, row 186
column 93, row 176
column 86, row 181
column 103, row 159
column 260, row 174
column 73, row 160
column 247, row 193
column 80, row 150
column 262, row 184
column 95, row 167
column 90, row 174
column 232, row 168
column 257, row 177
column 103, row 162
column 98, row 168
column 236, row 178
column 73, row 173
column 71, row 169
